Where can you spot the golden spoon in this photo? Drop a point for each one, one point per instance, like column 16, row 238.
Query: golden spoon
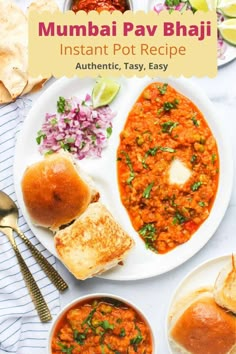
column 8, row 218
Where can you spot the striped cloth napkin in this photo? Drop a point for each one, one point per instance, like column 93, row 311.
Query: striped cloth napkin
column 21, row 331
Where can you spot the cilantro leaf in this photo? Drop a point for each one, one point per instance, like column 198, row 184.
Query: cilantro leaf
column 167, row 127
column 196, row 186
column 147, row 191
column 61, row 104
column 162, row 89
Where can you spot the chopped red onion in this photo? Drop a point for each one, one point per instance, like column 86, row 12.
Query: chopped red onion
column 81, row 129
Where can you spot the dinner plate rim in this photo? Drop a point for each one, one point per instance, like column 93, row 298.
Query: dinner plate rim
column 199, row 266
column 228, row 186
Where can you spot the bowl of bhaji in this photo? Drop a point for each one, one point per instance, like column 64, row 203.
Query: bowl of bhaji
column 101, row 324
column 98, row 5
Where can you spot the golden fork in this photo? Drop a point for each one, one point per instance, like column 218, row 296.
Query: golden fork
column 35, row 293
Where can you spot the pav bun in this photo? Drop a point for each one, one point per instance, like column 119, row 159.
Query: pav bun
column 54, row 191
column 199, row 326
column 225, row 287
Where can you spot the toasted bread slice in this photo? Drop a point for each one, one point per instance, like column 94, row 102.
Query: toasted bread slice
column 94, row 243
column 225, row 287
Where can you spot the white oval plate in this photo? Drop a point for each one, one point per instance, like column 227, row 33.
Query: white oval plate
column 229, row 55
column 203, row 276
column 141, row 263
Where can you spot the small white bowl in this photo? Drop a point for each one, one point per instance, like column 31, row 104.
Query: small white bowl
column 68, row 4
column 95, row 296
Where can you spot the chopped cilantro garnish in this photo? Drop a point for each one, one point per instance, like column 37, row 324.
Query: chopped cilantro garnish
column 70, row 140
column 147, row 191
column 148, row 232
column 162, row 89
column 49, row 152
column 64, row 146
column 213, row 158
column 65, row 348
column 193, row 159
column 79, row 337
column 109, row 132
column 106, row 325
column 129, row 164
column 113, row 350
column 40, row 137
column 61, row 105
column 196, row 186
column 131, row 177
column 89, row 318
column 167, row 127
column 103, row 349
column 202, row 204
column 152, row 151
column 172, row 201
column 172, row 2
column 82, row 145
column 136, row 340
column 195, row 121
column 179, row 218
column 53, row 121
column 122, row 332
column 168, row 106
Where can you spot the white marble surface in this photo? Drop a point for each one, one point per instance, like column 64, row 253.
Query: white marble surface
column 154, row 295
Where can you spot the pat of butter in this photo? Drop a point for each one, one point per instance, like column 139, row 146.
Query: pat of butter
column 178, row 172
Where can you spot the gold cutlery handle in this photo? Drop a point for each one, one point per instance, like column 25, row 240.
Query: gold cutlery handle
column 35, row 293
column 51, row 272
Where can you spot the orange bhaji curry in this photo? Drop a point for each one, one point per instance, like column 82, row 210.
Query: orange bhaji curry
column 99, row 5
column 168, row 167
column 102, row 326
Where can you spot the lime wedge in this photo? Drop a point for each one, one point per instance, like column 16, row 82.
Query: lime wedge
column 228, row 30
column 104, row 92
column 200, row 5
column 228, row 7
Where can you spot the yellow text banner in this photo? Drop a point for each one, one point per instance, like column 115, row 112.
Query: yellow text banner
column 130, row 44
